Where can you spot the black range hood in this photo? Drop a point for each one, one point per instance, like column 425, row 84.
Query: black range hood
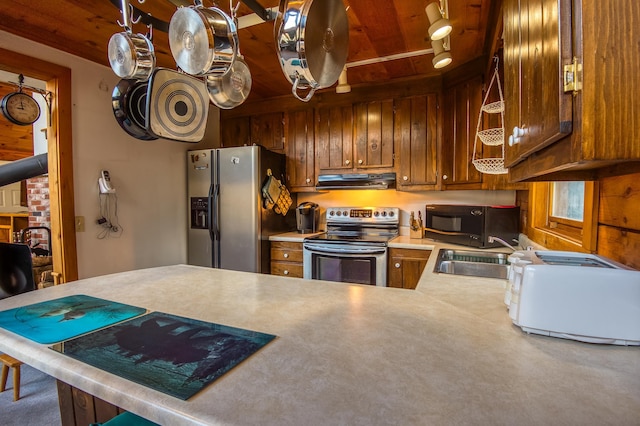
column 357, row 181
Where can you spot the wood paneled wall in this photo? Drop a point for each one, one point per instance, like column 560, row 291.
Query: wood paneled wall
column 619, row 219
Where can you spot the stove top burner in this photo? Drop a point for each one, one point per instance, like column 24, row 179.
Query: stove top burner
column 374, row 225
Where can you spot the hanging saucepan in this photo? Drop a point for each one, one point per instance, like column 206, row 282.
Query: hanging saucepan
column 203, row 41
column 312, row 41
column 129, row 101
column 231, row 89
column 131, row 56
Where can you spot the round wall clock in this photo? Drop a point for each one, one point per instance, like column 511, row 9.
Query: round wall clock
column 20, row 108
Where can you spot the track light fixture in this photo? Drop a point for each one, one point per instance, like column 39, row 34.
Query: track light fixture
column 438, row 18
column 441, row 57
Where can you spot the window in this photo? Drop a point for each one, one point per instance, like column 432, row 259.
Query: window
column 564, row 215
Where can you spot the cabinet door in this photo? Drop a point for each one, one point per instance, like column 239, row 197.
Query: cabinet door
column 235, row 132
column 416, row 135
column 537, row 43
column 300, row 148
column 373, row 130
column 334, row 138
column 406, row 267
column 267, row 130
column 462, row 105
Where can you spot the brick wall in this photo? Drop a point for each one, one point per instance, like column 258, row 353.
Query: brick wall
column 39, row 214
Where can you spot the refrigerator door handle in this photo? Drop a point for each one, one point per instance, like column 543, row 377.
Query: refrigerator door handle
column 215, row 227
column 210, row 211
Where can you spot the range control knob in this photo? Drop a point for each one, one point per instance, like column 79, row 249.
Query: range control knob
column 345, row 213
column 384, row 213
column 376, row 213
column 391, row 214
column 338, row 213
column 331, row 213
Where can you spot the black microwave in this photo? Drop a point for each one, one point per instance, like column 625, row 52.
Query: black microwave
column 472, row 225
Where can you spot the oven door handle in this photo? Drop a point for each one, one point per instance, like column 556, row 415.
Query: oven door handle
column 444, row 232
column 346, row 251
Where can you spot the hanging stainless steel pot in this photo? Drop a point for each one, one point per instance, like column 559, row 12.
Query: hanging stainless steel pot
column 312, row 42
column 131, row 56
column 203, row 41
column 129, row 102
column 232, row 89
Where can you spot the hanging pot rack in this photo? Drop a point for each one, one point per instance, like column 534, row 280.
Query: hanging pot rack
column 139, row 15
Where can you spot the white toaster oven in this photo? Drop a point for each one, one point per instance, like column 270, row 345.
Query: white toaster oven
column 574, row 295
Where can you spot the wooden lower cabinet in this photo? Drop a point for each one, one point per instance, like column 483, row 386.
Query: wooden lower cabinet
column 286, row 259
column 78, row 408
column 406, row 267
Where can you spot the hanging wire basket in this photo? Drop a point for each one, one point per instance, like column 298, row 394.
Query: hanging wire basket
column 491, row 166
column 492, row 137
column 494, row 107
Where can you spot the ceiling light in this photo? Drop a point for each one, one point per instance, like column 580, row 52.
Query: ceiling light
column 343, row 86
column 440, row 25
column 441, row 58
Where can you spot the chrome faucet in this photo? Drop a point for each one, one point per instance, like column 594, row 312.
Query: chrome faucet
column 492, row 239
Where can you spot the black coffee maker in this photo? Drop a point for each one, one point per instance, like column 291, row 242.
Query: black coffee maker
column 307, row 217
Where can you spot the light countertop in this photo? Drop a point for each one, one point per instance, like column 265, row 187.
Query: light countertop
column 443, row 354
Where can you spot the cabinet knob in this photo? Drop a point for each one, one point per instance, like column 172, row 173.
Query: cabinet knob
column 286, row 255
column 445, row 177
column 405, row 178
column 285, row 272
column 360, row 161
column 347, row 162
column 308, row 180
column 397, row 265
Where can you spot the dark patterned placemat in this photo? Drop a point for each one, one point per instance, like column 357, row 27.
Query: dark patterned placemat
column 175, row 355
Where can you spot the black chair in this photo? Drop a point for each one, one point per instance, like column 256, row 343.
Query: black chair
column 16, row 276
column 16, row 270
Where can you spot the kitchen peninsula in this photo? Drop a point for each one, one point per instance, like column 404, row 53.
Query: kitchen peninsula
column 445, row 353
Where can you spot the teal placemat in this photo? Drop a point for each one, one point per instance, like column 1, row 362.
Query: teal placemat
column 61, row 319
column 175, row 355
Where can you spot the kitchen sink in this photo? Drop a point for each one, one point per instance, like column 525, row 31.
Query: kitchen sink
column 472, row 263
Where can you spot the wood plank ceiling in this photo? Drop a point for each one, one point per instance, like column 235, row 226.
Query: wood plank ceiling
column 376, row 29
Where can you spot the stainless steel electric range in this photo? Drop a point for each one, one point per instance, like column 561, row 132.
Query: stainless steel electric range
column 354, row 248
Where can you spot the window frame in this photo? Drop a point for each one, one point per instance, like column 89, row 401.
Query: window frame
column 559, row 233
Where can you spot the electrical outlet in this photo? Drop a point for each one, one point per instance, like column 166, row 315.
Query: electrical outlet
column 79, row 223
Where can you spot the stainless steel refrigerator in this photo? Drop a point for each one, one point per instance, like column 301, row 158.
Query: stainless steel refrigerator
column 229, row 225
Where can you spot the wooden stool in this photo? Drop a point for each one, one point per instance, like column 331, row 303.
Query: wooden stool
column 10, row 362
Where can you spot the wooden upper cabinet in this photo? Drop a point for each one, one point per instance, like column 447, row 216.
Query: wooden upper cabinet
column 299, row 126
column 235, row 131
column 267, row 130
column 570, row 133
column 416, row 139
column 373, row 134
column 334, row 138
column 537, row 44
column 462, row 105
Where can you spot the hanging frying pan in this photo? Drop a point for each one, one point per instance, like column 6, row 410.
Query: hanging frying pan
column 177, row 106
column 129, row 102
column 312, row 41
column 131, row 56
column 203, row 41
